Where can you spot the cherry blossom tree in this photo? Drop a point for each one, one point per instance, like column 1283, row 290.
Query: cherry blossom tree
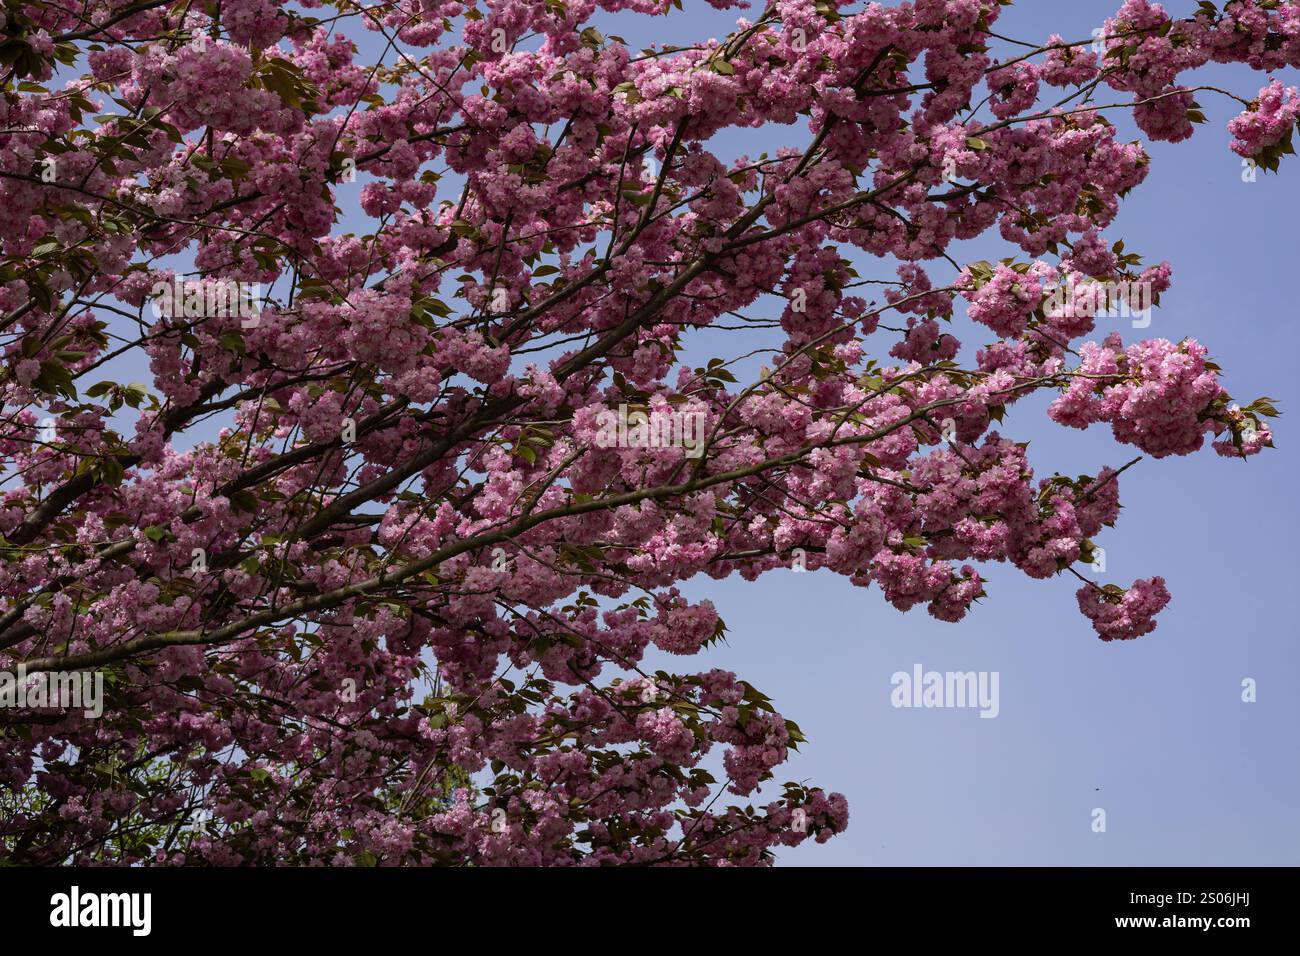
column 371, row 562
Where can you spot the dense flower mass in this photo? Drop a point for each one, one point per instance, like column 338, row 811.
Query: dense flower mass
column 370, row 575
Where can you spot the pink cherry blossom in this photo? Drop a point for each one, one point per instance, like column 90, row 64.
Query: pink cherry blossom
column 376, row 570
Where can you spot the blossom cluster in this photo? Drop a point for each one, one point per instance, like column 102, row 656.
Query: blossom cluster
column 366, row 583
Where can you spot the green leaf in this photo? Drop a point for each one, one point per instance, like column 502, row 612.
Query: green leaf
column 245, row 500
column 233, row 341
column 55, row 378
